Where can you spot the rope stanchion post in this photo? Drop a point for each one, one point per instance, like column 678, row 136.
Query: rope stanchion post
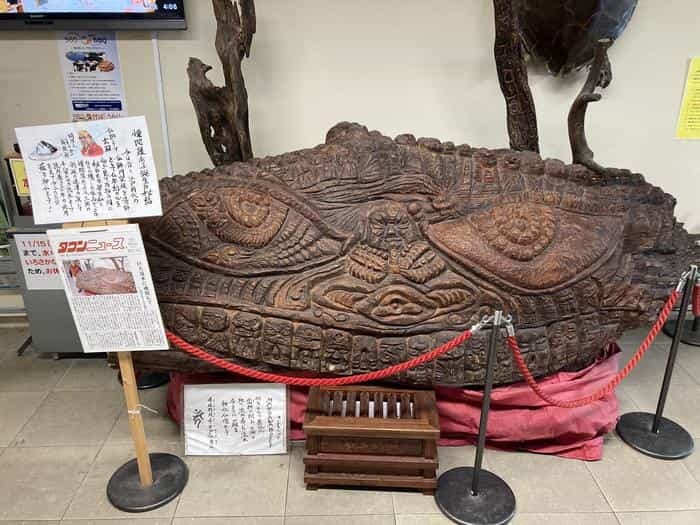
column 691, row 330
column 473, row 496
column 653, row 434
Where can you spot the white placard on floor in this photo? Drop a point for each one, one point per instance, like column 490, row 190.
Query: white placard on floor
column 235, row 419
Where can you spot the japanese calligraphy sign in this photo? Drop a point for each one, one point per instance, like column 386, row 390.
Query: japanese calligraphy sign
column 87, row 171
column 37, row 261
column 109, row 288
column 235, row 419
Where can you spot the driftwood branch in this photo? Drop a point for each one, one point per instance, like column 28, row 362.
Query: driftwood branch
column 512, row 75
column 599, row 75
column 222, row 112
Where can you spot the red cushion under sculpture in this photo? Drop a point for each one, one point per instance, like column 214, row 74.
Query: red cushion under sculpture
column 519, row 420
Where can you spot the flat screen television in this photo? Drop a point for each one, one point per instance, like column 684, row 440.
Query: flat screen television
column 92, row 14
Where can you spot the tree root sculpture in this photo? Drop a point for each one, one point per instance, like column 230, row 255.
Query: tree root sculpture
column 599, row 75
column 512, row 76
column 222, row 112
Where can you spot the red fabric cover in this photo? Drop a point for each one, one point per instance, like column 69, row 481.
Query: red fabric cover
column 519, row 420
column 696, row 300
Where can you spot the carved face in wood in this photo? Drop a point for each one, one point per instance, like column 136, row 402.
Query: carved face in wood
column 389, row 227
column 359, row 253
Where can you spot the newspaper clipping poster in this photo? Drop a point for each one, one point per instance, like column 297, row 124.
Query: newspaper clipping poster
column 109, row 288
column 235, row 419
column 92, row 74
column 96, row 170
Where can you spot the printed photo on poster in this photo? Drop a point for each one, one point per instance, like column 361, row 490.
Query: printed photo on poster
column 86, row 171
column 92, row 75
column 235, row 419
column 109, row 288
column 99, row 276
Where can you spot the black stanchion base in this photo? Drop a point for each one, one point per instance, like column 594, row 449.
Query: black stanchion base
column 671, row 442
column 125, row 492
column 493, row 505
column 149, row 380
column 690, row 337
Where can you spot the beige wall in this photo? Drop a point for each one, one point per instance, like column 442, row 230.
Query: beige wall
column 397, row 66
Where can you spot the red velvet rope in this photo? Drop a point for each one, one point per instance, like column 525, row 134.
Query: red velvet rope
column 431, row 356
column 312, row 381
column 610, row 387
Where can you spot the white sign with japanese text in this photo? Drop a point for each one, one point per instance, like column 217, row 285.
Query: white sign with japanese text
column 110, row 291
column 88, row 171
column 38, row 263
column 235, row 419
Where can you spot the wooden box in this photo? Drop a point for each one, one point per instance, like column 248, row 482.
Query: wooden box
column 371, row 437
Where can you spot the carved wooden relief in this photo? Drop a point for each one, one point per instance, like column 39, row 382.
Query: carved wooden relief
column 365, row 251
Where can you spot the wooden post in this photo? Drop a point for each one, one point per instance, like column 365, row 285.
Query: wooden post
column 138, row 434
column 131, row 393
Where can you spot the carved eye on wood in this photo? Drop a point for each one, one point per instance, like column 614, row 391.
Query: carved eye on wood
column 392, row 305
column 240, row 216
column 520, row 231
column 531, row 247
column 243, row 231
column 249, row 208
column 256, row 218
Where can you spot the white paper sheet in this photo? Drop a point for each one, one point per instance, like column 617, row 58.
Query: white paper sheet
column 90, row 171
column 108, row 284
column 235, row 419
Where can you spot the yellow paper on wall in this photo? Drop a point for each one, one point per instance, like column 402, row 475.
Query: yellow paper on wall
column 20, row 175
column 689, row 121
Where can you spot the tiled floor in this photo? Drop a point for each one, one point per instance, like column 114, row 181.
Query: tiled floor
column 63, row 432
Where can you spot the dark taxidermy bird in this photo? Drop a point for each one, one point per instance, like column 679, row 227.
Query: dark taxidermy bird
column 564, row 33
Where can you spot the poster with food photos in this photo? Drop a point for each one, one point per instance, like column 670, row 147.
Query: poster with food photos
column 92, row 74
column 86, row 171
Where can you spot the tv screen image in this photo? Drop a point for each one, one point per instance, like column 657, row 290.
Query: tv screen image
column 92, row 14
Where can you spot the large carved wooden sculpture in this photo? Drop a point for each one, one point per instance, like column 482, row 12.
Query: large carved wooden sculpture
column 366, row 251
